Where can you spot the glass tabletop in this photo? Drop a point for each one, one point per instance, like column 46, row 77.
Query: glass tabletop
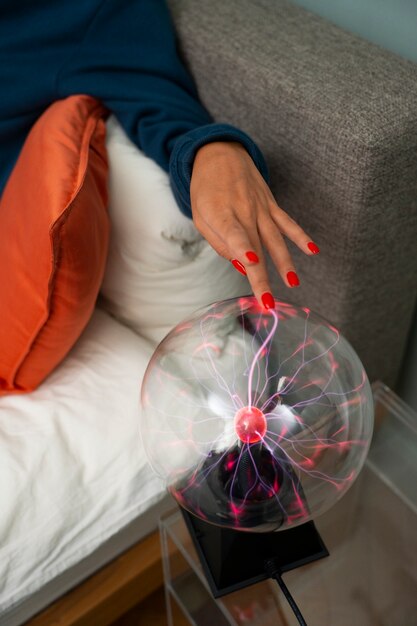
column 370, row 578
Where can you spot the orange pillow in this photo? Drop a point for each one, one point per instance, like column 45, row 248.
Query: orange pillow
column 54, row 232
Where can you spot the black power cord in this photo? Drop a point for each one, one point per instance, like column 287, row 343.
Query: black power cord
column 275, row 572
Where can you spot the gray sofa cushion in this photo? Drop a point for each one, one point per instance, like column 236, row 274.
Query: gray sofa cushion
column 336, row 117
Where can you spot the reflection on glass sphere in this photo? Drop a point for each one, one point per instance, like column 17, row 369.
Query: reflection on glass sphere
column 256, row 419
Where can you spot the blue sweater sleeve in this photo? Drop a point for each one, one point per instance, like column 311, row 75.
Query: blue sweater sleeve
column 128, row 59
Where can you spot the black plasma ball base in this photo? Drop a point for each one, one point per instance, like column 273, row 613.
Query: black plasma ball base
column 233, row 559
column 262, row 487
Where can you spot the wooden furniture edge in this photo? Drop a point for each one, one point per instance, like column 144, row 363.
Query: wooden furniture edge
column 110, row 592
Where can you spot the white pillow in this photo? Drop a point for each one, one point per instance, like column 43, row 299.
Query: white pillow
column 159, row 269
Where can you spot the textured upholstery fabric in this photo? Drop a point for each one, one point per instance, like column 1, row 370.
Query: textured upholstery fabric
column 336, row 117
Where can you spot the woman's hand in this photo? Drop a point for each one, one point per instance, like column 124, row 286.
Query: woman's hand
column 234, row 209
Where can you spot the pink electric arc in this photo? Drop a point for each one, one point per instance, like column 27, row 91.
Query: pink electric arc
column 256, row 419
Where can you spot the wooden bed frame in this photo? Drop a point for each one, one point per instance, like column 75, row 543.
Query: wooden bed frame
column 111, row 592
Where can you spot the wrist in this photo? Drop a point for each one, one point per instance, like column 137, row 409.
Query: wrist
column 216, row 150
column 221, row 147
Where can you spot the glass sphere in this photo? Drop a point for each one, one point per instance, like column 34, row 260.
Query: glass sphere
column 256, row 419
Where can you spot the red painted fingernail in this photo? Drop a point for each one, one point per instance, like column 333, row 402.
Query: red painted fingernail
column 293, row 279
column 238, row 265
column 313, row 247
column 252, row 256
column 268, row 300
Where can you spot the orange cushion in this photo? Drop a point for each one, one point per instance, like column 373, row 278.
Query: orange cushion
column 54, row 232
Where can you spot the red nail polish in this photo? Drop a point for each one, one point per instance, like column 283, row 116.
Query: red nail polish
column 252, row 256
column 238, row 265
column 293, row 279
column 268, row 300
column 313, row 247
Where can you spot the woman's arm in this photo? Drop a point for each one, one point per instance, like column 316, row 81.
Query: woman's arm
column 128, row 59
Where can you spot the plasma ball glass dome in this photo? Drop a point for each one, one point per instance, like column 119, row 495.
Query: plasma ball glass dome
column 256, row 419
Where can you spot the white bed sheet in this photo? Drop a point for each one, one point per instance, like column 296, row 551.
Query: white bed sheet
column 72, row 466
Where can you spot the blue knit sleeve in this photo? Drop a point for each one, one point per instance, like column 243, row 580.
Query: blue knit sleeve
column 128, row 59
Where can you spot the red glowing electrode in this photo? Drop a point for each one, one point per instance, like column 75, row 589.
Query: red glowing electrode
column 250, row 424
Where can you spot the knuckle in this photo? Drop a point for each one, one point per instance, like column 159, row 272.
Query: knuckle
column 220, row 251
column 258, row 272
column 224, row 252
column 238, row 242
column 285, row 264
column 297, row 231
column 260, row 288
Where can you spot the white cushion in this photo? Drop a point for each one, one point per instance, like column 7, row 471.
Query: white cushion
column 160, row 269
column 72, row 466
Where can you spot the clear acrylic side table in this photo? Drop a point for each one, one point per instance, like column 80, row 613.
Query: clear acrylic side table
column 370, row 578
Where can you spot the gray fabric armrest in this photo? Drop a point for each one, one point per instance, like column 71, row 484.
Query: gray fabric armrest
column 336, row 117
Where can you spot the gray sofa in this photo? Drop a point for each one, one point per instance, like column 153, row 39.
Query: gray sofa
column 336, row 117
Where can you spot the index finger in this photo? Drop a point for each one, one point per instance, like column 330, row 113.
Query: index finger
column 247, row 249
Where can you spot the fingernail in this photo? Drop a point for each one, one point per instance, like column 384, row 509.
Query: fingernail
column 293, row 279
column 238, row 265
column 313, row 247
column 268, row 300
column 252, row 256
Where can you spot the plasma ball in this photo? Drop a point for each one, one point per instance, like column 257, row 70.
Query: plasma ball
column 250, row 424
